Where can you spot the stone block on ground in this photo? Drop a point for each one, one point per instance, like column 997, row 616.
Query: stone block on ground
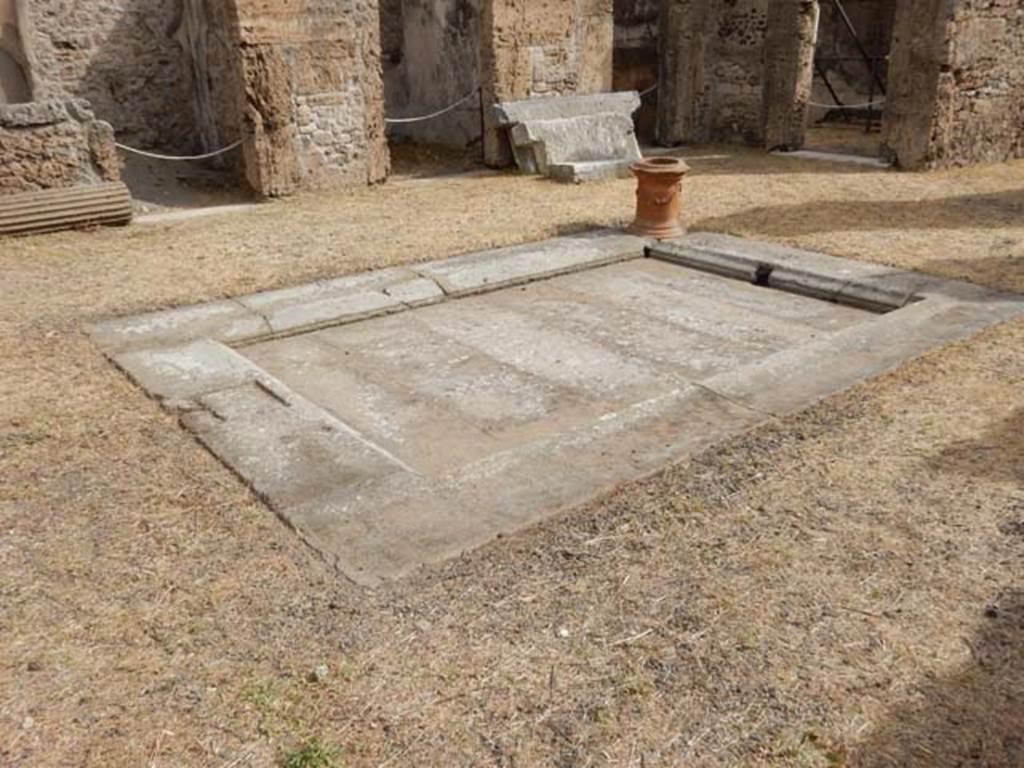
column 573, row 138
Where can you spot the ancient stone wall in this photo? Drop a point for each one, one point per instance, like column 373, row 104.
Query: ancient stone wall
column 538, row 48
column 432, row 60
column 980, row 104
column 956, row 83
column 313, row 93
column 120, row 55
column 52, row 144
column 712, row 70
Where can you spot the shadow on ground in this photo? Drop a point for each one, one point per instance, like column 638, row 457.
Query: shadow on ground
column 998, row 455
column 972, row 718
column 987, row 211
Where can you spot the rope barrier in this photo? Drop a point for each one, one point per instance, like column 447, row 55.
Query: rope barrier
column 865, row 105
column 158, row 156
column 432, row 115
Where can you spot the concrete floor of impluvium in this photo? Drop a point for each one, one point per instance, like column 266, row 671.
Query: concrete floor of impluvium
column 841, row 586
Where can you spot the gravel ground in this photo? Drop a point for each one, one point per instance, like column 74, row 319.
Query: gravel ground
column 842, row 587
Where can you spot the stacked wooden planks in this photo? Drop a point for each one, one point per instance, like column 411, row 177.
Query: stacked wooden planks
column 28, row 213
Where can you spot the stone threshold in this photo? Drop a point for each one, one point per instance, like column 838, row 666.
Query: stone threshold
column 836, row 157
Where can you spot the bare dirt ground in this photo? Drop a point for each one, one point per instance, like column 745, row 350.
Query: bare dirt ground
column 842, row 587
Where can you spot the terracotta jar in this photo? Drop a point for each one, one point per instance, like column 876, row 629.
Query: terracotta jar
column 659, row 197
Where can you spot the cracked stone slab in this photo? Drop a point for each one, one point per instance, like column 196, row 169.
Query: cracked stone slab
column 400, row 417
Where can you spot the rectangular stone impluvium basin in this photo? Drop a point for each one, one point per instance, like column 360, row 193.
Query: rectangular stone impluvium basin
column 401, row 416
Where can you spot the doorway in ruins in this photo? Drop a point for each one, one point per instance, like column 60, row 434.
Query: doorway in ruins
column 432, row 78
column 851, row 57
column 635, row 60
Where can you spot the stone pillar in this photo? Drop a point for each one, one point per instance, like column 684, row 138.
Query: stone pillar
column 789, row 70
column 918, row 54
column 311, row 93
column 682, row 89
column 539, row 48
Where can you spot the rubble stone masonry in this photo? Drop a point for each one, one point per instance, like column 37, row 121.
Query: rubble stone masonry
column 312, row 98
column 540, row 48
column 980, row 99
column 48, row 144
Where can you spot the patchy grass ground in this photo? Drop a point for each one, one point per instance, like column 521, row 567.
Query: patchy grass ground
column 842, row 587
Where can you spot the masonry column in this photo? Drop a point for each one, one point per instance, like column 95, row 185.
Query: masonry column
column 789, row 70
column 682, row 90
column 919, row 52
column 541, row 48
column 310, row 92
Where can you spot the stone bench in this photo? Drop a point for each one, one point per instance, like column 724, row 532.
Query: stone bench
column 573, row 138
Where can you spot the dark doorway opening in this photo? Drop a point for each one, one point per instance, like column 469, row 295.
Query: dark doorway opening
column 848, row 91
column 431, row 63
column 635, row 60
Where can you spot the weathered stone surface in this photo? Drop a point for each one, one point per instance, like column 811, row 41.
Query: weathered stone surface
column 789, row 70
column 313, row 94
column 712, row 70
column 590, row 170
column 563, row 107
column 33, row 114
column 15, row 68
column 185, row 372
column 299, row 81
column 225, row 321
column 564, row 132
column 47, row 145
column 956, row 83
column 540, row 144
column 51, row 210
column 355, row 297
column 488, row 270
column 289, row 450
column 541, row 48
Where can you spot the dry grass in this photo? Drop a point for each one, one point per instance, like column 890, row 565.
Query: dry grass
column 841, row 587
column 847, row 138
